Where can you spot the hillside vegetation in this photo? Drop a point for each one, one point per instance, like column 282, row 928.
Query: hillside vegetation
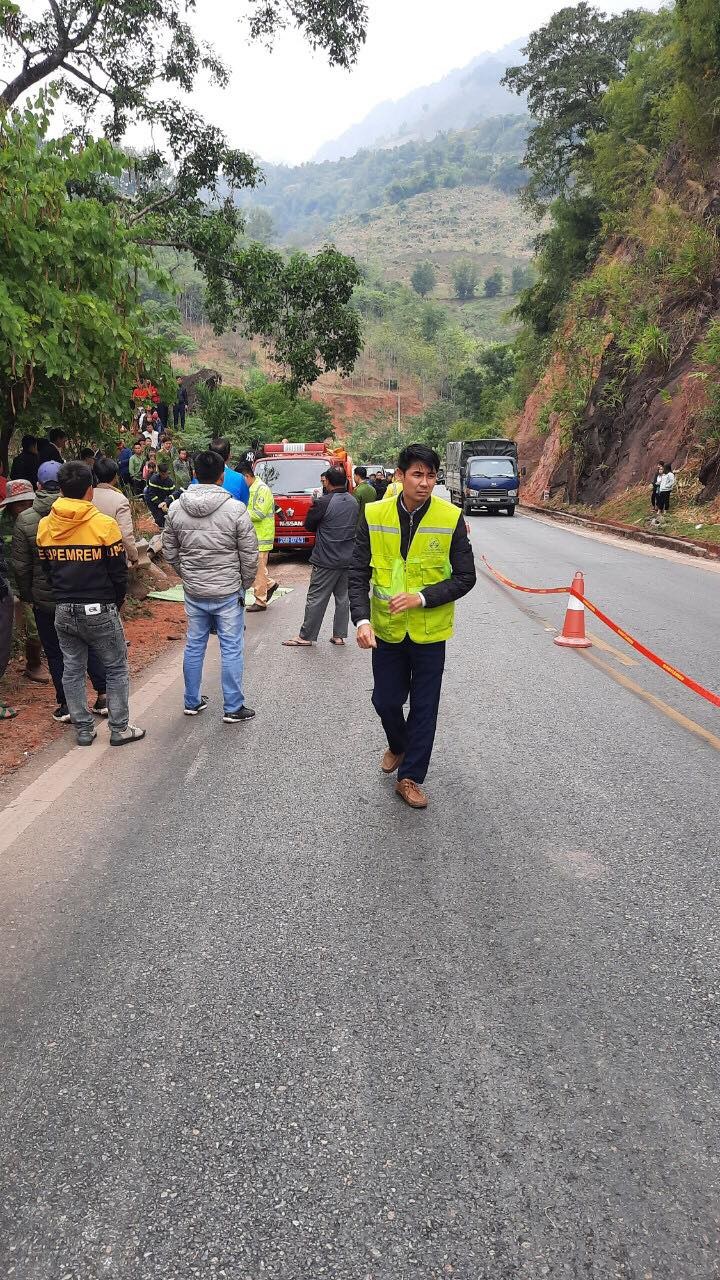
column 625, row 309
column 303, row 201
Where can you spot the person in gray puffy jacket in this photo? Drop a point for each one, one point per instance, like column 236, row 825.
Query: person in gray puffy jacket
column 209, row 540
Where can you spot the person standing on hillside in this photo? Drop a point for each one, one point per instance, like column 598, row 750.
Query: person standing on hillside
column 261, row 510
column 665, row 488
column 209, row 540
column 412, row 560
column 332, row 518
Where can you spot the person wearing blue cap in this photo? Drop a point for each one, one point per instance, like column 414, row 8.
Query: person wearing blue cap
column 34, row 589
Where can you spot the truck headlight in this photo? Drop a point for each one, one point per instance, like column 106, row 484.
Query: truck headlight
column 512, row 493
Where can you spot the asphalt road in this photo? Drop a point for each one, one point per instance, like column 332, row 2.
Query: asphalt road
column 258, row 1019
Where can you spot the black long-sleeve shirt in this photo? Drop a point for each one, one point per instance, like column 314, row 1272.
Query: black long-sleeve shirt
column 462, row 564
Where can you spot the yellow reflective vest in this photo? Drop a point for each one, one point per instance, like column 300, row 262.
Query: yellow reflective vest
column 428, row 562
column 261, row 510
column 393, row 489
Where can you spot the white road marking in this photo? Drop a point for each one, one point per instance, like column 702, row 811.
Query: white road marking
column 37, row 798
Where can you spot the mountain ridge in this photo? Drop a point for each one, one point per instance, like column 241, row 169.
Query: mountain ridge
column 462, row 98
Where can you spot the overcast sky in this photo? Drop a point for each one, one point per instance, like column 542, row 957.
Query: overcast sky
column 283, row 105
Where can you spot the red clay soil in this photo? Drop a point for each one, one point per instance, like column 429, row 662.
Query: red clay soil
column 157, row 626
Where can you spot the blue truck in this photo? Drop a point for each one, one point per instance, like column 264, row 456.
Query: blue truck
column 483, row 475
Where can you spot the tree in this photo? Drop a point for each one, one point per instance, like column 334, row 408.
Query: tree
column 465, row 279
column 109, row 57
column 570, row 63
column 494, row 284
column 259, row 226
column 522, row 278
column 423, row 278
column 73, row 332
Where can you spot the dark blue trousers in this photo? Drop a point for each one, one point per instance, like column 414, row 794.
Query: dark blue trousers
column 50, row 643
column 415, row 671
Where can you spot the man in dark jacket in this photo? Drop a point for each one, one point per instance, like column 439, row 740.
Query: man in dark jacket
column 25, row 465
column 333, row 519
column 35, row 589
column 161, row 490
column 50, row 449
column 82, row 553
column 415, row 552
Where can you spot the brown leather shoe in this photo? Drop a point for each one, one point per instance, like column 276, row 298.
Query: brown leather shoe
column 391, row 761
column 411, row 793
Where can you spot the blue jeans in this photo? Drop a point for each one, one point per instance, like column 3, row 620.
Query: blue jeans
column 102, row 633
column 228, row 614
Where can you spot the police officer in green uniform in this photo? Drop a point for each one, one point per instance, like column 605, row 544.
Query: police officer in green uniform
column 412, row 561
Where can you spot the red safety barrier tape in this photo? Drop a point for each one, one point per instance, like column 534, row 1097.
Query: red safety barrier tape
column 669, row 670
column 531, row 591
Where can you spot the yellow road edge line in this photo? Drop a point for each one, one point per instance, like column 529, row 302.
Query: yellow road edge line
column 606, row 647
column 677, row 716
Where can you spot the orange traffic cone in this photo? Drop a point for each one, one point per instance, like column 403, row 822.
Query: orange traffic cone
column 573, row 632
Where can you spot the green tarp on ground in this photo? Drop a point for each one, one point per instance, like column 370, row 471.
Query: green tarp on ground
column 177, row 594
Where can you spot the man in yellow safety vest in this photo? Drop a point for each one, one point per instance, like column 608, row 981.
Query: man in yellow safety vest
column 412, row 561
column 261, row 510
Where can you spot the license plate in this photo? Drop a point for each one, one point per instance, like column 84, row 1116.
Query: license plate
column 289, row 539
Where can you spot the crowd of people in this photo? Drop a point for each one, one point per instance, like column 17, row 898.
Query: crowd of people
column 396, row 561
column 150, row 468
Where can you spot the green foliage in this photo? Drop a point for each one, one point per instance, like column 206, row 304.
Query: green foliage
column 565, row 252
column 649, row 347
column 465, row 280
column 695, row 265
column 423, row 278
column 570, row 62
column 493, row 285
column 163, row 320
column 259, row 226
column 522, row 278
column 696, row 103
column 404, row 335
column 111, row 56
column 625, row 153
column 74, row 336
column 262, row 411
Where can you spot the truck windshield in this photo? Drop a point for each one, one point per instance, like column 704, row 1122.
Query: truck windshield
column 491, row 468
column 291, row 475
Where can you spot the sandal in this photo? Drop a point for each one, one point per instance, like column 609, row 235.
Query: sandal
column 6, row 712
column 337, row 640
column 297, row 643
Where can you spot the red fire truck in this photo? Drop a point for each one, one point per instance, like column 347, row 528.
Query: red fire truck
column 292, row 472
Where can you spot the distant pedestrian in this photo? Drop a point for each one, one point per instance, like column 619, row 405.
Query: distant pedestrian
column 180, row 406
column 363, row 492
column 7, row 616
column 210, row 541
column 379, row 484
column 25, row 464
column 82, row 553
column 412, row 561
column 656, row 486
column 333, row 519
column 395, row 486
column 261, row 510
column 135, row 468
column 665, row 488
